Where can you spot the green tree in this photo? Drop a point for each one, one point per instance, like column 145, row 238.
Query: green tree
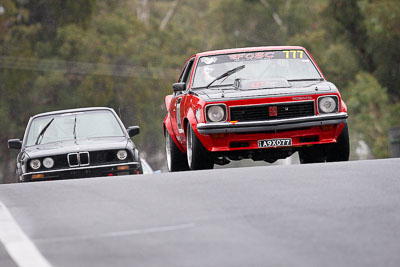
column 23, row 38
column 369, row 113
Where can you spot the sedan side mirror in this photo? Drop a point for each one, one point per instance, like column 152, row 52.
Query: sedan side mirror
column 133, row 130
column 14, row 144
column 179, row 87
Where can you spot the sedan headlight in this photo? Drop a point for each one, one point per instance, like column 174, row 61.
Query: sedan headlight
column 35, row 164
column 122, row 154
column 216, row 113
column 48, row 163
column 328, row 104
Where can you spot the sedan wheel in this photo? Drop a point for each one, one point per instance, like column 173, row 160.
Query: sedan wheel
column 198, row 158
column 176, row 159
column 339, row 151
column 313, row 154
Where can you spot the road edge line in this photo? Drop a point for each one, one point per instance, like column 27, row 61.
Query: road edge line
column 20, row 248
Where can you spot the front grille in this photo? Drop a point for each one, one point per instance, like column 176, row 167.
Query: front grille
column 106, row 156
column 60, row 161
column 100, row 157
column 84, row 158
column 269, row 112
column 78, row 159
column 73, row 159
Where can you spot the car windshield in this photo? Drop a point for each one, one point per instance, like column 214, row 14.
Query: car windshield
column 69, row 126
column 262, row 65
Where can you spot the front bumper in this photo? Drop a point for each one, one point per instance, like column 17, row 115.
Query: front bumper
column 271, row 125
column 83, row 172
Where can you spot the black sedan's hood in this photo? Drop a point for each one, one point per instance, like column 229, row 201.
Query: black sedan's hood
column 80, row 145
column 298, row 88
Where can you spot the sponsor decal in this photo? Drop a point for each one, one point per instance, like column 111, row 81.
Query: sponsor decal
column 273, row 111
column 302, row 98
column 252, row 56
column 208, row 60
column 257, row 84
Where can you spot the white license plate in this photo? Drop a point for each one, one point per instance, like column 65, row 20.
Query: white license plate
column 275, row 142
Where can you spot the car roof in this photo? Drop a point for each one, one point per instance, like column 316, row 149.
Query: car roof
column 71, row 111
column 247, row 49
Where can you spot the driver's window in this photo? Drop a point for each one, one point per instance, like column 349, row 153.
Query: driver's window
column 186, row 73
column 189, row 75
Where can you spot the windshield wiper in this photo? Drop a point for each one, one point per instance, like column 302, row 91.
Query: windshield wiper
column 306, row 80
column 226, row 74
column 41, row 134
column 75, row 128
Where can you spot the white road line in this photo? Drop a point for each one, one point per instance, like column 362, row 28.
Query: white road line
column 18, row 245
column 120, row 233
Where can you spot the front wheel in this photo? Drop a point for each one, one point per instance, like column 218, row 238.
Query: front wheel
column 176, row 159
column 198, row 157
column 339, row 151
column 312, row 154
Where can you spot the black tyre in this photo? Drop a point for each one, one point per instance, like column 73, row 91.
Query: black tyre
column 198, row 158
column 176, row 159
column 312, row 154
column 339, row 151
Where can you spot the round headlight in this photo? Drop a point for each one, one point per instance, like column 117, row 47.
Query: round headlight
column 48, row 163
column 327, row 105
column 35, row 164
column 122, row 154
column 216, row 113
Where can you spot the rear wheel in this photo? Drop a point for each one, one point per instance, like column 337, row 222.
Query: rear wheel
column 176, row 159
column 198, row 158
column 339, row 151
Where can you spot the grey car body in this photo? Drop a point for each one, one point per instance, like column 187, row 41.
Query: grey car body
column 81, row 156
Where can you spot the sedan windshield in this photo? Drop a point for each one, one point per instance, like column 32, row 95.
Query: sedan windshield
column 69, row 126
column 264, row 65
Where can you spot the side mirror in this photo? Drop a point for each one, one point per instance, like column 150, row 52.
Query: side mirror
column 14, row 144
column 133, row 130
column 179, row 87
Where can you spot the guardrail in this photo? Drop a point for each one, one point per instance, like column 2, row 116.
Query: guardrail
column 394, row 139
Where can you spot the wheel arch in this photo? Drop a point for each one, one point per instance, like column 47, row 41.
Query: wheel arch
column 168, row 99
column 167, row 127
column 190, row 118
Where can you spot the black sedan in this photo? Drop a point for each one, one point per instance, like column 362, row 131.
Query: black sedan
column 76, row 143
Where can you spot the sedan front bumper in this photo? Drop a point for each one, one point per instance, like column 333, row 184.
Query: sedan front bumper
column 271, row 125
column 83, row 172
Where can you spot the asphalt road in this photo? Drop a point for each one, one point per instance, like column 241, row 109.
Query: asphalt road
column 336, row 214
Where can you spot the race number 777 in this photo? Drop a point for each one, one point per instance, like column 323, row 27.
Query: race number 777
column 293, row 53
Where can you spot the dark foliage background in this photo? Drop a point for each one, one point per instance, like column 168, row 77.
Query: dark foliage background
column 57, row 54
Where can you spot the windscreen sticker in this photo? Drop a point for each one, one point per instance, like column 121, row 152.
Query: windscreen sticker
column 293, row 53
column 208, row 60
column 253, row 56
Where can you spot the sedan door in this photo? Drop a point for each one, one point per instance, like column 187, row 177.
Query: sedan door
column 176, row 110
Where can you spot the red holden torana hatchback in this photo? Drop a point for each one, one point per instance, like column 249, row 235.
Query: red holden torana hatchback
column 261, row 103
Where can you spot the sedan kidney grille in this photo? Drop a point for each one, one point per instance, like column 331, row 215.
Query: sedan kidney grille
column 84, row 158
column 272, row 112
column 78, row 159
column 73, row 160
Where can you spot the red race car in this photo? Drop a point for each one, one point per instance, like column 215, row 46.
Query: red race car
column 260, row 103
